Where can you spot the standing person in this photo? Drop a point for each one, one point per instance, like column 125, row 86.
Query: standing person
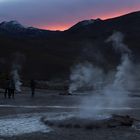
column 12, row 89
column 32, row 85
column 6, row 86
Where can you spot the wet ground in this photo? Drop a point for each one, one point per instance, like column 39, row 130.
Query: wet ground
column 20, row 118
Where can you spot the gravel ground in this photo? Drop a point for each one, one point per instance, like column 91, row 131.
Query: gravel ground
column 82, row 134
column 24, row 104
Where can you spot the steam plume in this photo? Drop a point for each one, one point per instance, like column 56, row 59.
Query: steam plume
column 114, row 94
column 85, row 75
column 117, row 40
column 16, row 77
column 16, row 68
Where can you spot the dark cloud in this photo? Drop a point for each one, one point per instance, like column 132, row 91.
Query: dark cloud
column 53, row 12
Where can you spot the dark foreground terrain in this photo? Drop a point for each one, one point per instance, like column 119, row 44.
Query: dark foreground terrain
column 20, row 118
column 47, row 55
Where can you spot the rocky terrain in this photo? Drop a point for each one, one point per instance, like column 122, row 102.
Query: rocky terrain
column 22, row 118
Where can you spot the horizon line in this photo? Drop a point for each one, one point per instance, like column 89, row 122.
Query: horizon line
column 66, row 27
column 103, row 19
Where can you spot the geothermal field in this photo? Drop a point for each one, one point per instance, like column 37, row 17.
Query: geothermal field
column 69, row 69
column 50, row 116
column 96, row 104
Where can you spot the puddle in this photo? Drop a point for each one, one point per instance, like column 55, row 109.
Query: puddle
column 60, row 116
column 21, row 124
column 136, row 126
column 13, row 125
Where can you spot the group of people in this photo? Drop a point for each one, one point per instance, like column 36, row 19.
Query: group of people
column 10, row 88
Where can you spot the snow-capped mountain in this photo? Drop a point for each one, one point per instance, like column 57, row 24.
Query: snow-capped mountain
column 88, row 22
column 15, row 29
column 85, row 23
column 11, row 25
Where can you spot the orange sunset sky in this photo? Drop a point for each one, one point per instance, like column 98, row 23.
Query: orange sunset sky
column 65, row 26
column 62, row 14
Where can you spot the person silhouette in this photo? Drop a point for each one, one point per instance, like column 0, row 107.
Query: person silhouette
column 32, row 85
column 6, row 86
column 12, row 89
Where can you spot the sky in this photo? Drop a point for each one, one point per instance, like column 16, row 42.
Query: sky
column 62, row 14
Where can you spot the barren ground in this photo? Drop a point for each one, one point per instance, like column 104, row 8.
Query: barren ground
column 23, row 115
